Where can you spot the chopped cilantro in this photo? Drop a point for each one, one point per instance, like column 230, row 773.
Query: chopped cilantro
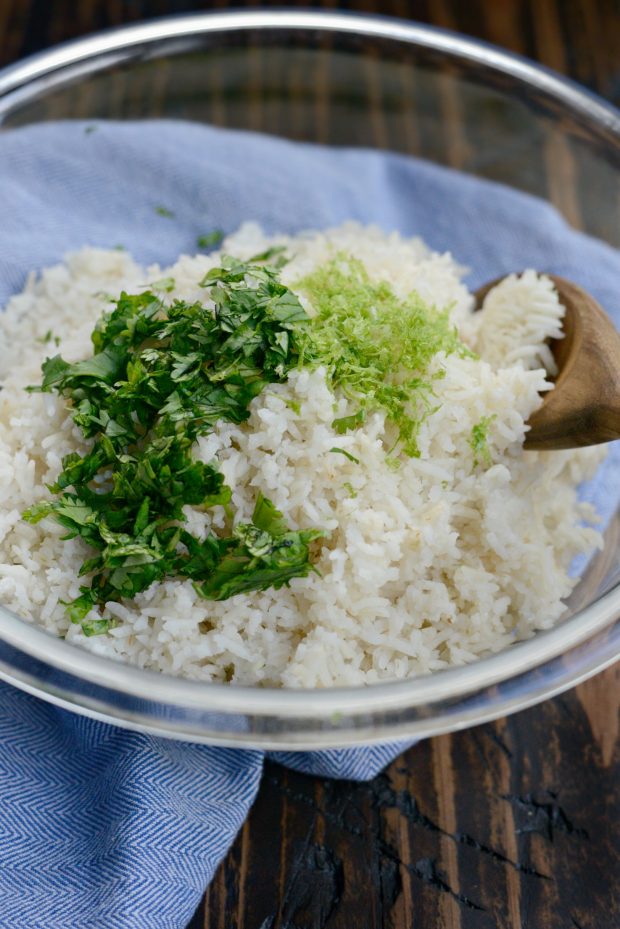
column 49, row 337
column 164, row 211
column 341, row 451
column 479, row 442
column 267, row 555
column 277, row 252
column 95, row 626
column 161, row 375
column 345, row 423
column 210, row 239
column 165, row 284
column 376, row 347
column 350, row 489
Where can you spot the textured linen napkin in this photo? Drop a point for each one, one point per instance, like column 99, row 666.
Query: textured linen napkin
column 101, row 827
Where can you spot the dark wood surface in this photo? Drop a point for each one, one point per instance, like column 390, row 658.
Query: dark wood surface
column 511, row 825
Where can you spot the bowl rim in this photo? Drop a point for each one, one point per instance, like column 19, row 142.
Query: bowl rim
column 44, row 70
column 323, row 703
column 112, row 43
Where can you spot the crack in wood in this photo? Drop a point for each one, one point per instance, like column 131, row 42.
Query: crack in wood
column 566, row 707
column 545, row 818
column 296, row 867
column 464, row 839
column 497, row 740
column 479, row 749
column 408, row 807
column 313, row 890
column 390, row 865
column 390, row 882
column 426, row 870
column 300, row 797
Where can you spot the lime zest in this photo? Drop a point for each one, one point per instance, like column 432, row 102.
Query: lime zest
column 376, row 347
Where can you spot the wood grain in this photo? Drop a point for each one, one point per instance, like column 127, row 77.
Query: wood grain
column 496, row 827
column 511, row 825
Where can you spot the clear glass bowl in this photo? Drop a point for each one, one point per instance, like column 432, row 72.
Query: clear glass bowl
column 344, row 80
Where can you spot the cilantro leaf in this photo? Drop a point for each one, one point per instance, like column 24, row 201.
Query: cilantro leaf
column 160, row 376
column 267, row 518
column 258, row 561
column 210, row 239
column 95, row 626
column 344, row 423
column 277, row 252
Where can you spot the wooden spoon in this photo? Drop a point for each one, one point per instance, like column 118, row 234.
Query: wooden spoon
column 584, row 406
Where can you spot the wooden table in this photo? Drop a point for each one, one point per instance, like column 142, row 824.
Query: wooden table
column 510, row 825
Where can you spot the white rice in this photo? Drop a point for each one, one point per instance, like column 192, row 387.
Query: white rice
column 433, row 564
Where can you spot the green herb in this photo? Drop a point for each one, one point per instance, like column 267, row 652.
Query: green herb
column 350, row 489
column 341, row 451
column 266, row 554
column 164, row 211
column 165, row 284
column 276, row 256
column 160, row 376
column 95, row 626
column 376, row 347
column 479, row 442
column 210, row 239
column 346, row 423
column 294, row 405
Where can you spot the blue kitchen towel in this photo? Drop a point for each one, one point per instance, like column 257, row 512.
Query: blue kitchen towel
column 101, row 827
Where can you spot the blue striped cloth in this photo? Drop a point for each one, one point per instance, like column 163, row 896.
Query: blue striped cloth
column 100, row 827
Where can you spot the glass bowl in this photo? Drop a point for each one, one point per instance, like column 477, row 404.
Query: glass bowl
column 359, row 81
